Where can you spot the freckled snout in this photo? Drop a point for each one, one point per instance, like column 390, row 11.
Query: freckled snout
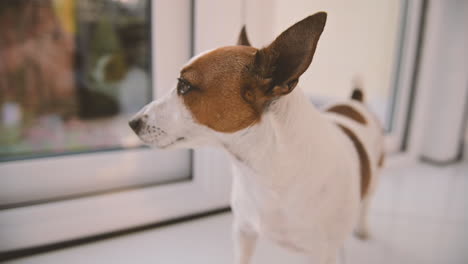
column 137, row 123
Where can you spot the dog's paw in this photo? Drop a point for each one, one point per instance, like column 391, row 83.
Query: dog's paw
column 362, row 234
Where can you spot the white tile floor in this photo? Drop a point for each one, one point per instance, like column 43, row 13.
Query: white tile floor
column 420, row 215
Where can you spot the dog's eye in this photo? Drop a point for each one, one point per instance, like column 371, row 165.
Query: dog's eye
column 183, row 86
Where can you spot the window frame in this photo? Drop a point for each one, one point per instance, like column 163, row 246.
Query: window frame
column 22, row 180
column 30, row 227
column 403, row 75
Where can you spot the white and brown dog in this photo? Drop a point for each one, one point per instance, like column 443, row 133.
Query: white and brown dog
column 302, row 178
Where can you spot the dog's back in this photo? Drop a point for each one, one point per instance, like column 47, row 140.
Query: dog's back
column 363, row 128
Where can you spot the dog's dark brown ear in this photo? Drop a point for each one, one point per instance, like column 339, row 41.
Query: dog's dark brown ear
column 290, row 54
column 243, row 40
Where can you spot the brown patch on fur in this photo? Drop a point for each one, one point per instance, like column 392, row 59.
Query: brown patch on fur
column 349, row 112
column 381, row 160
column 229, row 88
column 363, row 160
column 218, row 79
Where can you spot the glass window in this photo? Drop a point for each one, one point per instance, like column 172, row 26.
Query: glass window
column 71, row 74
column 77, row 196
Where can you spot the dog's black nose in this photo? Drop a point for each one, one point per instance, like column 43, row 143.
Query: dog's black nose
column 136, row 124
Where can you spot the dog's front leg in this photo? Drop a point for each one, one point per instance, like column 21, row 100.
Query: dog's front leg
column 245, row 239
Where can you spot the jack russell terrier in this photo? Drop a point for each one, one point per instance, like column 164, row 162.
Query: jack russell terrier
column 301, row 177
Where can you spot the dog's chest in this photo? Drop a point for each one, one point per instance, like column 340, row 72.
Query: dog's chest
column 273, row 212
column 268, row 217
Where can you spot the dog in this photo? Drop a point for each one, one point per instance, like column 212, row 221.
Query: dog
column 302, row 177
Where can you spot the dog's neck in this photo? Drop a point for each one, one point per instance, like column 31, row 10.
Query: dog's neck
column 292, row 130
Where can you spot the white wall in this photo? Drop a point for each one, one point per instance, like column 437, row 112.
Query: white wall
column 259, row 17
column 360, row 38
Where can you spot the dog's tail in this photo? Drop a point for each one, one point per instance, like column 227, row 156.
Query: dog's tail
column 357, row 94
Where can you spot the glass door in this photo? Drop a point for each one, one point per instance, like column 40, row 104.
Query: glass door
column 72, row 73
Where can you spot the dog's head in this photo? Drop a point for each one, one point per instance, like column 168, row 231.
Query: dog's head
column 228, row 89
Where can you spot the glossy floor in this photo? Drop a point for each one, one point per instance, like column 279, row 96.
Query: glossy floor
column 420, row 215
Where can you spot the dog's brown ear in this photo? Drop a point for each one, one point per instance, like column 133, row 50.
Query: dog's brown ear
column 243, row 40
column 290, row 54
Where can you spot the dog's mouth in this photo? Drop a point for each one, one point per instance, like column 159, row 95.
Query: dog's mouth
column 163, row 146
column 157, row 137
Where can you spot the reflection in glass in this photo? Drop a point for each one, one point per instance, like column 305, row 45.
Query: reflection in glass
column 71, row 74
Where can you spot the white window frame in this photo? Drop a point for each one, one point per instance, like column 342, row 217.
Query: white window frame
column 50, row 223
column 402, row 78
column 431, row 80
column 77, row 175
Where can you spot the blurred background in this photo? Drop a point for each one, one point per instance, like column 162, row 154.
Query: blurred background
column 77, row 186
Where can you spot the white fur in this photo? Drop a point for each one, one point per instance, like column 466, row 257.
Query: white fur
column 299, row 181
column 168, row 124
column 296, row 174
